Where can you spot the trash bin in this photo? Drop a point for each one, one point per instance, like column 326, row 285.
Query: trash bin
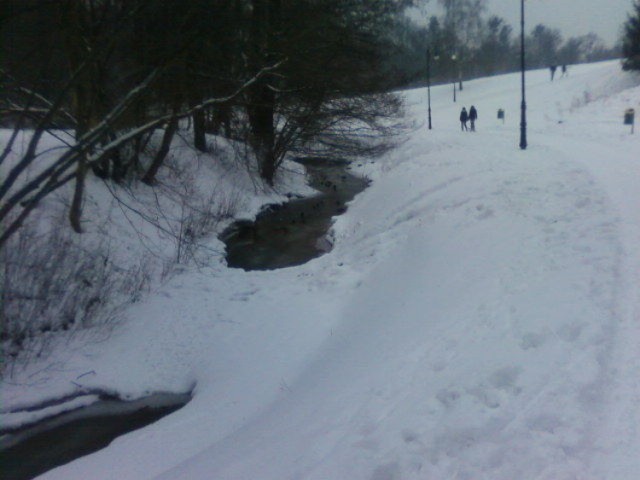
column 500, row 114
column 629, row 115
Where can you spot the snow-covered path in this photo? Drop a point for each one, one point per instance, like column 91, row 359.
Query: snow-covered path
column 479, row 317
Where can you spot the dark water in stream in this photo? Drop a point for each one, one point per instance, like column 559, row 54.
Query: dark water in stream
column 31, row 451
column 294, row 232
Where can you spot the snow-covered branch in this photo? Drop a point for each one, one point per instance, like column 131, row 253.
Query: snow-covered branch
column 91, row 147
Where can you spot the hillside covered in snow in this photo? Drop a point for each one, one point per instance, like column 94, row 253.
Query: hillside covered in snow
column 477, row 318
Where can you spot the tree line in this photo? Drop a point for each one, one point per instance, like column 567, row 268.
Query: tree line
column 631, row 39
column 283, row 77
column 466, row 42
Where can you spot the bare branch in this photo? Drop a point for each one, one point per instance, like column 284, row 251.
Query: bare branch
column 57, row 175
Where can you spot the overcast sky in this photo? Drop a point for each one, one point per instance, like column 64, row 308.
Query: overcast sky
column 572, row 17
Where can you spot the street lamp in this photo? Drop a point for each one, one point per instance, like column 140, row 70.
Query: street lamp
column 435, row 57
column 523, row 105
column 454, row 58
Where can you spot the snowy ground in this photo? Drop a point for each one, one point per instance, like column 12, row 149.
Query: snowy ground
column 479, row 317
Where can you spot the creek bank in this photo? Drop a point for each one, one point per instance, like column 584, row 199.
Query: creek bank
column 282, row 235
column 294, row 232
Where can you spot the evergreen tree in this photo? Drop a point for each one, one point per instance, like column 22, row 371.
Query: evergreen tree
column 464, row 19
column 631, row 41
column 496, row 52
column 542, row 46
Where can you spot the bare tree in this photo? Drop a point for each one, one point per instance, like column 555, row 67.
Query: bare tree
column 464, row 19
column 333, row 51
column 20, row 193
column 295, row 73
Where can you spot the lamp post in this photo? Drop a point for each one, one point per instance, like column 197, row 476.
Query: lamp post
column 429, row 83
column 523, row 105
column 454, row 58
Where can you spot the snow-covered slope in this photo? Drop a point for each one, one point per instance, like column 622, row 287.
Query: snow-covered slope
column 479, row 316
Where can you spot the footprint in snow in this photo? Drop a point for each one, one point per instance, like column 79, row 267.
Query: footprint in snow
column 243, row 296
column 506, row 378
column 570, row 332
column 448, row 397
column 532, row 340
column 390, row 471
column 501, row 385
column 484, row 212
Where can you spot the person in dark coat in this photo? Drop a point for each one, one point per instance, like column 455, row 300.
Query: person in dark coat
column 552, row 68
column 464, row 117
column 564, row 70
column 473, row 116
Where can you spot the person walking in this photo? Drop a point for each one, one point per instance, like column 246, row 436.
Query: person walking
column 464, row 117
column 552, row 69
column 564, row 70
column 473, row 116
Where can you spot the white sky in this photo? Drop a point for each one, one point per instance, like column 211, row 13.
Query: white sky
column 572, row 17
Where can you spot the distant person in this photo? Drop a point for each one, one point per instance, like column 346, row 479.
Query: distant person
column 552, row 69
column 564, row 70
column 464, row 117
column 473, row 116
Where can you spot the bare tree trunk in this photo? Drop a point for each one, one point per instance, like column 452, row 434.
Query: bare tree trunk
column 150, row 176
column 75, row 212
column 260, row 112
column 199, row 131
column 261, row 97
column 222, row 119
column 20, row 203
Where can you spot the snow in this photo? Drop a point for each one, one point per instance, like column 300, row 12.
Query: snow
column 21, row 418
column 478, row 318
